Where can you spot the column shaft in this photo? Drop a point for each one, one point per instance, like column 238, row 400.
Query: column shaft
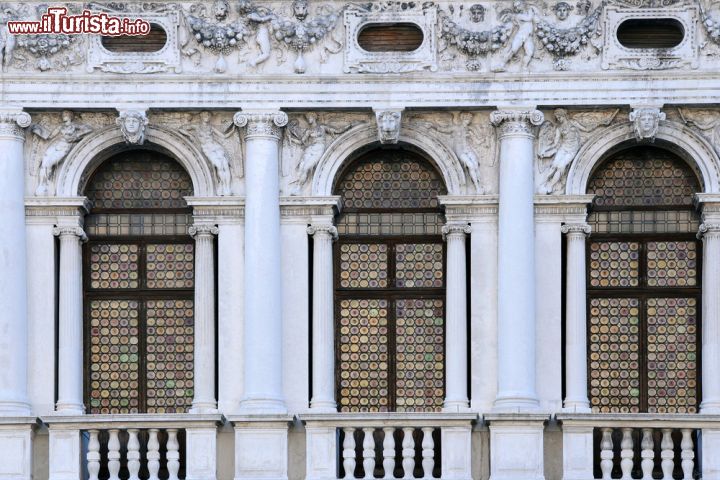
column 576, row 398
column 70, row 331
column 323, row 338
column 710, row 319
column 204, row 367
column 13, row 272
column 456, row 396
column 263, row 296
column 516, row 261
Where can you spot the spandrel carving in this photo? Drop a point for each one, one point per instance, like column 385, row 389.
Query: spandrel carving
column 60, row 141
column 560, row 141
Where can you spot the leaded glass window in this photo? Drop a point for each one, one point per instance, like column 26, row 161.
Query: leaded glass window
column 139, row 280
column 643, row 285
column 390, row 285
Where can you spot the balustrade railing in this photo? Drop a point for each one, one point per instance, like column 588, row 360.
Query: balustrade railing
column 391, row 445
column 639, row 446
column 133, row 447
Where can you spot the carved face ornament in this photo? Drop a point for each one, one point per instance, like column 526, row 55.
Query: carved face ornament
column 300, row 9
column 221, row 9
column 562, row 10
column 477, row 13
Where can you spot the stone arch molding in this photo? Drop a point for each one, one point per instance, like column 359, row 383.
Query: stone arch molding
column 346, row 147
column 693, row 148
column 98, row 146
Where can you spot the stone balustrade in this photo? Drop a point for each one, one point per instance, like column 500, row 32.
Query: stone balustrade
column 389, row 445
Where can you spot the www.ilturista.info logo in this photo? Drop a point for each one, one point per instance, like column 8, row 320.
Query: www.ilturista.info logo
column 57, row 20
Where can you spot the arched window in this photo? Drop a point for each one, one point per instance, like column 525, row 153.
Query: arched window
column 643, row 284
column 138, row 283
column 390, row 285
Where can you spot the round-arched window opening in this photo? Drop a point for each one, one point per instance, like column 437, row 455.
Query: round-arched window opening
column 154, row 41
column 650, row 33
column 393, row 37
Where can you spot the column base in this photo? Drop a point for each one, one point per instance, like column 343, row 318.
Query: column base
column 204, row 407
column 456, row 406
column 516, row 446
column 516, row 404
column 261, row 446
column 711, row 407
column 263, row 406
column 576, row 406
column 323, row 406
column 65, row 408
column 12, row 408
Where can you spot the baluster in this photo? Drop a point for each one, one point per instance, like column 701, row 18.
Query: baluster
column 688, row 454
column 173, row 455
column 114, row 454
column 133, row 454
column 349, row 452
column 408, row 453
column 606, row 453
column 647, row 454
column 428, row 452
column 626, row 454
column 153, row 454
column 369, row 452
column 667, row 454
column 93, row 455
column 389, row 452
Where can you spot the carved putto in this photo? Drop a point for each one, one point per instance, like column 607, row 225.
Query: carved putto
column 313, row 139
column 132, row 125
column 559, row 142
column 646, row 121
column 466, row 139
column 388, row 124
column 7, row 41
column 61, row 139
column 208, row 137
column 524, row 17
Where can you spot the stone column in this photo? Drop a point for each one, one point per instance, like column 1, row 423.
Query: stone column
column 516, row 260
column 70, row 331
column 323, row 341
column 576, row 399
column 204, row 368
column 456, row 395
column 710, row 234
column 13, row 272
column 263, row 298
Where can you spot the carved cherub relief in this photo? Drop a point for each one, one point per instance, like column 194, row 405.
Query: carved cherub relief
column 313, row 138
column 559, row 142
column 208, row 137
column 524, row 18
column 61, row 140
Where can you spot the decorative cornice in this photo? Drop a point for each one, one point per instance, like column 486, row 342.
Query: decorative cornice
column 708, row 228
column 217, row 209
column 576, row 228
column 203, row 230
column 13, row 122
column 67, row 231
column 516, row 122
column 324, row 229
column 263, row 124
column 455, row 229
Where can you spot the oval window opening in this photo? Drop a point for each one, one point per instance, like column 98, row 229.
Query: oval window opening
column 395, row 37
column 650, row 33
column 152, row 42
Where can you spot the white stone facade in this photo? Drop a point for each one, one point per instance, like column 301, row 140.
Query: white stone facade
column 515, row 105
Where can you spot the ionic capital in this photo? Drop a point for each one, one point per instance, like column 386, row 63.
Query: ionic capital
column 706, row 229
column 516, row 122
column 576, row 228
column 455, row 229
column 329, row 230
column 203, row 230
column 13, row 121
column 70, row 231
column 261, row 124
